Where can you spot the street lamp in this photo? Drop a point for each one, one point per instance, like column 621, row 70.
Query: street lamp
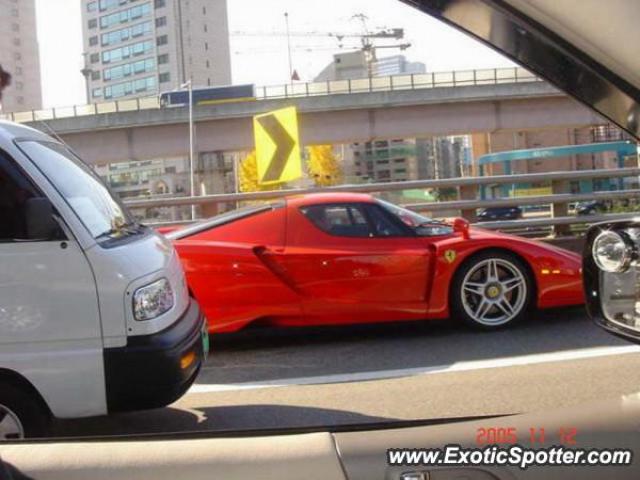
column 286, row 19
column 189, row 84
column 86, row 73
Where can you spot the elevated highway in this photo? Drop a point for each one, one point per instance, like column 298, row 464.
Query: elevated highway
column 324, row 119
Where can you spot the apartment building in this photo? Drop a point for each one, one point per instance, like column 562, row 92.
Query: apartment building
column 137, row 48
column 19, row 55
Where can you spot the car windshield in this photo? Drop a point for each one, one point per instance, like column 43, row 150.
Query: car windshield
column 374, row 217
column 81, row 188
column 408, row 217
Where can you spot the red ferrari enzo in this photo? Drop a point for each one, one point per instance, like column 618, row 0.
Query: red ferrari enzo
column 351, row 258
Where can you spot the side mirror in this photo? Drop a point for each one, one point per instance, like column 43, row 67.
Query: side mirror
column 39, row 219
column 610, row 273
column 460, row 225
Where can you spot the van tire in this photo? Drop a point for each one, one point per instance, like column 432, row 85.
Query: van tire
column 34, row 419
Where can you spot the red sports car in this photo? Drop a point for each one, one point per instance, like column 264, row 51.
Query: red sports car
column 351, row 258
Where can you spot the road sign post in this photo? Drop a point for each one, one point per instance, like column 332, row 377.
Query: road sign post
column 277, row 146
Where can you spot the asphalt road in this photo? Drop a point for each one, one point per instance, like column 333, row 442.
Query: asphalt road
column 377, row 373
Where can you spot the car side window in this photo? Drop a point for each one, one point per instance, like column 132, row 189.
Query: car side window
column 340, row 220
column 15, row 192
column 383, row 225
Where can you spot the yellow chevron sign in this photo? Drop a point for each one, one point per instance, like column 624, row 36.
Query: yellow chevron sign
column 277, row 146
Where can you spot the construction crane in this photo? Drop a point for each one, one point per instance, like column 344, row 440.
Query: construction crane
column 367, row 38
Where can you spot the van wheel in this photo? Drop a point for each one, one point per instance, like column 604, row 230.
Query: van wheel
column 21, row 415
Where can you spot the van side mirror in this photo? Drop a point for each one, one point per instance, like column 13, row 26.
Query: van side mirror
column 460, row 225
column 39, row 219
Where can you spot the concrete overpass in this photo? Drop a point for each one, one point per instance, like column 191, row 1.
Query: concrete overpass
column 337, row 118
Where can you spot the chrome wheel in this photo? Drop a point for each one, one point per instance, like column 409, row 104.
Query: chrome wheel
column 10, row 425
column 494, row 291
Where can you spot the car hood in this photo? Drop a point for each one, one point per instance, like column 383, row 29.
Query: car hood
column 477, row 233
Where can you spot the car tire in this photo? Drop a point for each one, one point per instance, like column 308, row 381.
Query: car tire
column 21, row 415
column 491, row 290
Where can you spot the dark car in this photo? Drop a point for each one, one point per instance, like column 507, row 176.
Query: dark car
column 591, row 207
column 500, row 213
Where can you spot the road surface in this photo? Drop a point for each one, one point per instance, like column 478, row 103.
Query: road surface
column 378, row 373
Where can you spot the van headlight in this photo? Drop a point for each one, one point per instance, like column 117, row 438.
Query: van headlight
column 612, row 252
column 152, row 300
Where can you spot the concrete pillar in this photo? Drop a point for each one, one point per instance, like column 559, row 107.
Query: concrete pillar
column 560, row 209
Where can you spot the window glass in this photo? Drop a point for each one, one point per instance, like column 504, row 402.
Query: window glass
column 383, row 225
column 124, row 34
column 15, row 191
column 118, row 54
column 81, row 188
column 341, row 220
column 127, row 69
column 127, row 88
column 125, row 15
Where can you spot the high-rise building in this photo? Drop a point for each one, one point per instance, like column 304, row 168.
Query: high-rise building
column 397, row 65
column 138, row 48
column 353, row 65
column 19, row 55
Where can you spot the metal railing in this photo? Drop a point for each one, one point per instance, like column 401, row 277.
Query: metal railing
column 493, row 76
column 466, row 187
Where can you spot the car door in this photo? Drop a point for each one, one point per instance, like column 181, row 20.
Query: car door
column 49, row 320
column 354, row 262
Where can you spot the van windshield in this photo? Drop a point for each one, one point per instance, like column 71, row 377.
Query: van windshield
column 81, row 188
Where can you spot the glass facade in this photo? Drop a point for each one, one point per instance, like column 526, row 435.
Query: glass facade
column 108, row 4
column 122, row 53
column 124, row 16
column 124, row 34
column 128, row 88
column 128, row 69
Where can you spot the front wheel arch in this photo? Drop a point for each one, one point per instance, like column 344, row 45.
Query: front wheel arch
column 31, row 409
column 532, row 304
column 509, row 251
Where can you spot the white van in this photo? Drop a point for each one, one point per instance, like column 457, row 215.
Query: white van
column 95, row 312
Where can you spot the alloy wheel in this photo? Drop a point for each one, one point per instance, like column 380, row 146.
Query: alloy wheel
column 494, row 291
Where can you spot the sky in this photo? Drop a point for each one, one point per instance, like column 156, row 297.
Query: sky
column 263, row 60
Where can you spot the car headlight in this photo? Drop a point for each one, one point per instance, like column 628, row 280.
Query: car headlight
column 611, row 252
column 152, row 300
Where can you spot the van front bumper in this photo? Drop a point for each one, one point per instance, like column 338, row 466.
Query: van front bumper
column 155, row 370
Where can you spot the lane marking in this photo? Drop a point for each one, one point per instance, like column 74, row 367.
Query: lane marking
column 502, row 362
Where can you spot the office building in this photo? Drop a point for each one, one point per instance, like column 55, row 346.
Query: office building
column 397, row 65
column 137, row 48
column 353, row 65
column 19, row 55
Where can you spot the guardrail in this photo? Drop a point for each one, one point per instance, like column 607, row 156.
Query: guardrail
column 538, row 200
column 493, row 76
column 467, row 191
column 460, row 182
column 554, row 222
